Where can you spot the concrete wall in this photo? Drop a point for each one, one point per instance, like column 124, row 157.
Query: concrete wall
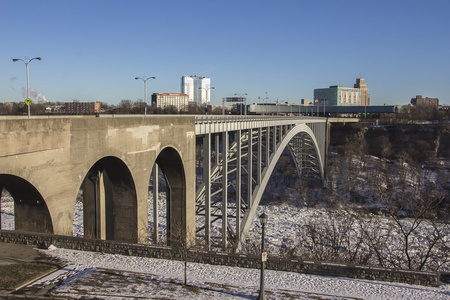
column 54, row 156
column 227, row 259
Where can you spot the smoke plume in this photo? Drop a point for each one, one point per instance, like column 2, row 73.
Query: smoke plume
column 33, row 93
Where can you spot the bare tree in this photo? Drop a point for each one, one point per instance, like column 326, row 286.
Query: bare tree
column 330, row 236
column 412, row 208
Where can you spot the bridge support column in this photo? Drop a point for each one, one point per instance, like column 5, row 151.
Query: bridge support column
column 250, row 167
column 258, row 155
column 238, row 183
column 217, row 149
column 207, row 180
column 267, row 157
column 101, row 204
column 155, row 202
column 98, row 219
column 225, row 189
column 274, row 139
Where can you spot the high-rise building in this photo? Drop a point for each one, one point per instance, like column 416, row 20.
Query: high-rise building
column 197, row 88
column 365, row 97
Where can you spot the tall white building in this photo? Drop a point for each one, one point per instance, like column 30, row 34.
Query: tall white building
column 197, row 88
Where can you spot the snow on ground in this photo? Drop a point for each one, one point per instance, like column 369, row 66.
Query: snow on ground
column 7, row 211
column 107, row 276
column 95, row 274
column 85, row 276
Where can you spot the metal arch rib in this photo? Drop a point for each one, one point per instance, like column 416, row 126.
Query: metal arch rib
column 259, row 189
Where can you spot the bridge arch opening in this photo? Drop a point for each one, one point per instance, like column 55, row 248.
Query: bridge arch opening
column 30, row 210
column 108, row 208
column 171, row 168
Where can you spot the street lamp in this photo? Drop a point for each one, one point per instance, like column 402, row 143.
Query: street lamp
column 27, row 101
column 245, row 94
column 206, row 92
column 263, row 221
column 145, row 90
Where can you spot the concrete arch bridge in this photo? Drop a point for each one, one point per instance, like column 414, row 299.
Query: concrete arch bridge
column 46, row 162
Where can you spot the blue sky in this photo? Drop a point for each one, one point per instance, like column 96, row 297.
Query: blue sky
column 93, row 50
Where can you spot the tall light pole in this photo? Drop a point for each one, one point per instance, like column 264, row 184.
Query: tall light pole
column 263, row 221
column 27, row 101
column 365, row 108
column 206, row 92
column 245, row 100
column 145, row 90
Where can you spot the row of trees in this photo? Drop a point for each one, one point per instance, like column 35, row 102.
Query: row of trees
column 416, row 114
column 124, row 107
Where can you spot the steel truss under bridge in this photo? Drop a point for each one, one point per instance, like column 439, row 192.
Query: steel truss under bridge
column 238, row 156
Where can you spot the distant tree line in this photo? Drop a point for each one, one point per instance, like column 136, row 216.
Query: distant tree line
column 124, row 107
column 416, row 114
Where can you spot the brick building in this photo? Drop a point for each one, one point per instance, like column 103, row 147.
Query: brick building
column 82, row 108
column 419, row 100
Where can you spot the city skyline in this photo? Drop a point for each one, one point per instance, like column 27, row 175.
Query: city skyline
column 93, row 50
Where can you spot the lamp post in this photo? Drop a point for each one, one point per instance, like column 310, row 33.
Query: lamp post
column 145, row 90
column 206, row 92
column 263, row 221
column 365, row 109
column 245, row 101
column 27, row 101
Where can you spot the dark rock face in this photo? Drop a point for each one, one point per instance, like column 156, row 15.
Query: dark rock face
column 421, row 142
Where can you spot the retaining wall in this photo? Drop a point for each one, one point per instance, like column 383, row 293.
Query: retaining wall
column 226, row 259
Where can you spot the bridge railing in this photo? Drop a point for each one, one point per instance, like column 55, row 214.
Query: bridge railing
column 216, row 124
column 239, row 118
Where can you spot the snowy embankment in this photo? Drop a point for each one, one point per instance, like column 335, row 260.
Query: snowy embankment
column 106, row 276
column 83, row 277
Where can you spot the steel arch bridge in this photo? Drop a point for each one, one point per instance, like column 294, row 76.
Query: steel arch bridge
column 239, row 155
column 45, row 162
